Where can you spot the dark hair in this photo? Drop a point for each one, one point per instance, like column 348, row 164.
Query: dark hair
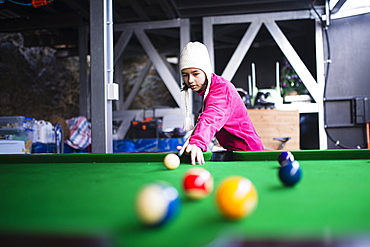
column 184, row 87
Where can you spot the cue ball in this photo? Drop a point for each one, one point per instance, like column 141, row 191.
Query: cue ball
column 197, row 183
column 290, row 174
column 171, row 161
column 157, row 203
column 236, row 197
column 285, row 158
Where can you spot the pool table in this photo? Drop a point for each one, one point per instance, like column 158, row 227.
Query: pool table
column 88, row 200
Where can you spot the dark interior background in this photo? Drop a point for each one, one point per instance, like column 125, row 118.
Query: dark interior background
column 49, row 34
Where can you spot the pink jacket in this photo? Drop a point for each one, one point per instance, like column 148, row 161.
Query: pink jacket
column 225, row 116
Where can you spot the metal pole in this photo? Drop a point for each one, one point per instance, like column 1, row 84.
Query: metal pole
column 101, row 32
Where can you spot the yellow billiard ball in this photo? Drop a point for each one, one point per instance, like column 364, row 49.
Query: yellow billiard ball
column 171, row 161
column 236, row 197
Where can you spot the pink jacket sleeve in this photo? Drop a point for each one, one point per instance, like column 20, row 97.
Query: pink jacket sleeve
column 214, row 116
column 225, row 116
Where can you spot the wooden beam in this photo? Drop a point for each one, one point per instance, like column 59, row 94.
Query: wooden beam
column 62, row 38
column 138, row 10
column 139, row 81
column 77, row 6
column 64, row 20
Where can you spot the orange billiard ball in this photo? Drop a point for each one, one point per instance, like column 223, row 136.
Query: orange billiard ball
column 236, row 197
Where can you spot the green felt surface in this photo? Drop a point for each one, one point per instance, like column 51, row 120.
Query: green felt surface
column 92, row 158
column 332, row 200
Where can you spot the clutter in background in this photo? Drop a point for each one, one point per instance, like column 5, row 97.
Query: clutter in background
column 19, row 134
column 25, row 135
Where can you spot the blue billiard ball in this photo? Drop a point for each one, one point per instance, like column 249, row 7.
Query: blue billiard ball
column 157, row 203
column 285, row 158
column 290, row 174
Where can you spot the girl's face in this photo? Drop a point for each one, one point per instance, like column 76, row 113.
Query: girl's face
column 194, row 78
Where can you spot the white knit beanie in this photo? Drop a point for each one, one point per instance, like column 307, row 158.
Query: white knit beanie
column 195, row 55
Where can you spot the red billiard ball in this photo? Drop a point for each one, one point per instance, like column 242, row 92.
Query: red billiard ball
column 285, row 158
column 197, row 183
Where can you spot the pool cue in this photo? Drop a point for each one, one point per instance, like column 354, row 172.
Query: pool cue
column 183, row 147
column 368, row 135
column 185, row 144
column 187, row 141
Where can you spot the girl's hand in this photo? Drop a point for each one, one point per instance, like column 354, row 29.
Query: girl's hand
column 196, row 154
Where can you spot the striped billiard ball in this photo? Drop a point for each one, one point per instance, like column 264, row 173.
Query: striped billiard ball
column 197, row 183
column 236, row 197
column 290, row 174
column 285, row 158
column 157, row 203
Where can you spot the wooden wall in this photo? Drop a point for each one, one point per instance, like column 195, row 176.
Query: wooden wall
column 275, row 123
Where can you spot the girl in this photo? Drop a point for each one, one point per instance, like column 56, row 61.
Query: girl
column 223, row 112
